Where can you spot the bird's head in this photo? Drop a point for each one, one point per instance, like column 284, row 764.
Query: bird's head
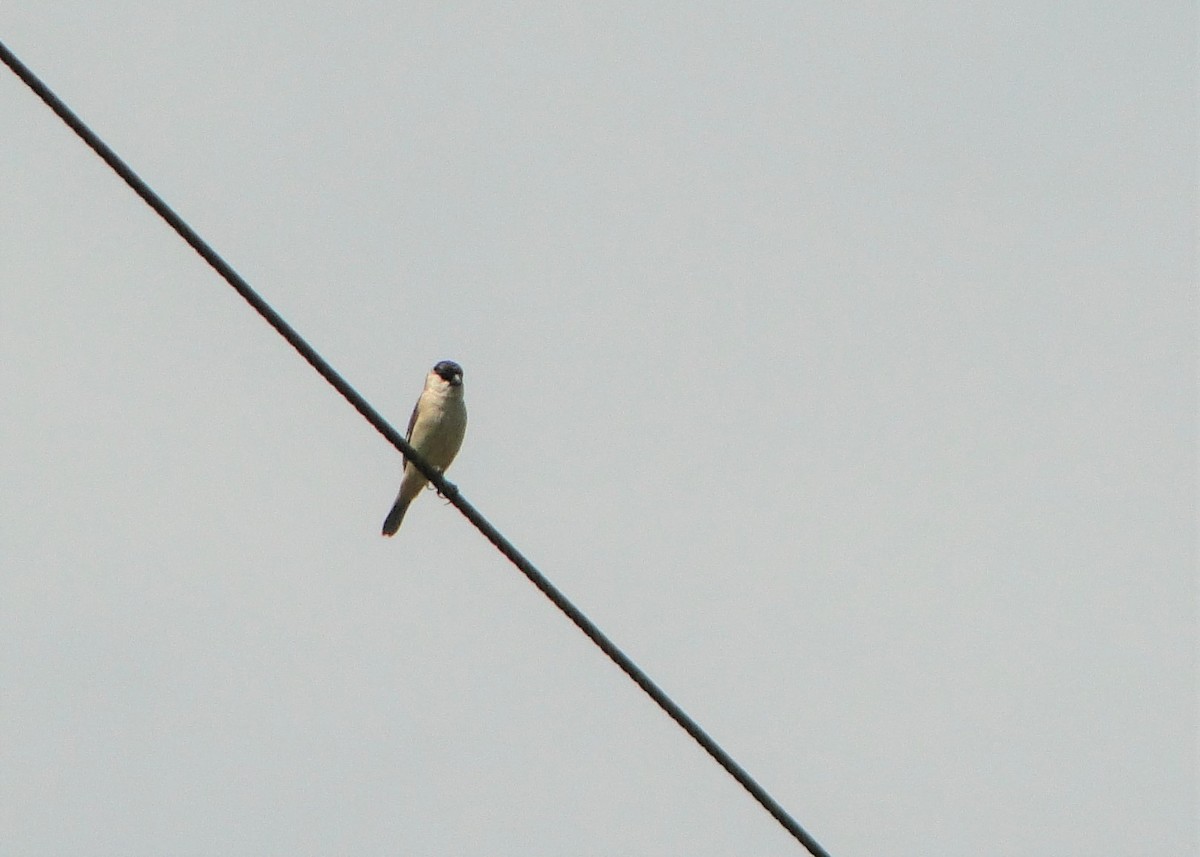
column 450, row 372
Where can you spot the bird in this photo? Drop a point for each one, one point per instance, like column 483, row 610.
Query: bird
column 435, row 431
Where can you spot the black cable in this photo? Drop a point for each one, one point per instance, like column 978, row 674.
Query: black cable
column 381, row 425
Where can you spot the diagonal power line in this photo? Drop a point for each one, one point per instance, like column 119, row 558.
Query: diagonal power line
column 381, row 425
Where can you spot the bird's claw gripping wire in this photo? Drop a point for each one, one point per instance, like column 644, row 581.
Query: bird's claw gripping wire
column 449, row 494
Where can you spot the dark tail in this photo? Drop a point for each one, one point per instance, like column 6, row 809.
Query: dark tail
column 392, row 522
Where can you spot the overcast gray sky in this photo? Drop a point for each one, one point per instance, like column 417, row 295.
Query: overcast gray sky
column 839, row 360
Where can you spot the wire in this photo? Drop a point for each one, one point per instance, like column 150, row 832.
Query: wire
column 381, row 425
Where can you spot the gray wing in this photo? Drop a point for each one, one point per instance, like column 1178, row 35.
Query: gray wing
column 412, row 421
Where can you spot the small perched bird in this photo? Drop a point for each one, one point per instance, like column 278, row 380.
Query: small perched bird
column 435, row 431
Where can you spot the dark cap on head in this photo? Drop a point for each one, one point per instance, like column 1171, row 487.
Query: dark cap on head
column 450, row 372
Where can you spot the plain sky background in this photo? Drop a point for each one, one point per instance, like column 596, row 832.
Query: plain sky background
column 838, row 359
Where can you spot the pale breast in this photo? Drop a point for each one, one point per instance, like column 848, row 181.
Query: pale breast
column 439, row 433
